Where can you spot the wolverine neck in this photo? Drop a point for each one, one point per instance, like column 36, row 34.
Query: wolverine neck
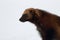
column 37, row 23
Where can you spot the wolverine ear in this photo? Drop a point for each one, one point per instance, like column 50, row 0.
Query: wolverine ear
column 38, row 13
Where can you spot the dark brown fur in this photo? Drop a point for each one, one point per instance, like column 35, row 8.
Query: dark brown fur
column 47, row 24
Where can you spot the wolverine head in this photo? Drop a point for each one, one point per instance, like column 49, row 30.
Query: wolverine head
column 29, row 14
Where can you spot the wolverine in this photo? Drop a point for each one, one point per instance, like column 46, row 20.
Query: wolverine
column 48, row 24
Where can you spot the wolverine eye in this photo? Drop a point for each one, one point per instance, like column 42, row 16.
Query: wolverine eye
column 30, row 11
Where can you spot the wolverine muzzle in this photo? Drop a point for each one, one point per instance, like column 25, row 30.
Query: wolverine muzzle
column 23, row 18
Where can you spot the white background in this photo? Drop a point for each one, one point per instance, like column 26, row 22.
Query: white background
column 11, row 11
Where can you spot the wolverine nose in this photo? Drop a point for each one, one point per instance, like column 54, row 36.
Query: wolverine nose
column 20, row 19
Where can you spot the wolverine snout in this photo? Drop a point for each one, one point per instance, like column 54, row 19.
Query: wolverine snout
column 23, row 18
